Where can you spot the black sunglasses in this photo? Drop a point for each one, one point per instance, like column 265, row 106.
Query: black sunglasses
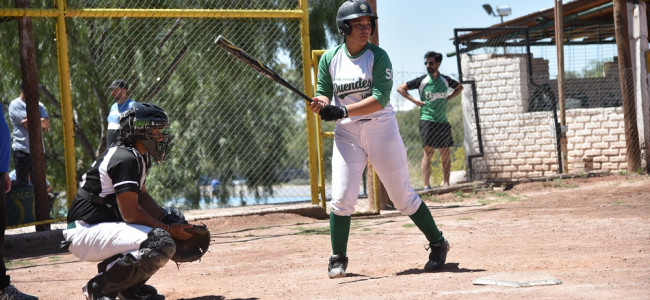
column 426, row 63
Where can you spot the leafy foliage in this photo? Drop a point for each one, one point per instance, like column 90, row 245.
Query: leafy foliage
column 323, row 31
column 228, row 121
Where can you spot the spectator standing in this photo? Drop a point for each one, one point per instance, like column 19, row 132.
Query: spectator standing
column 119, row 92
column 215, row 183
column 435, row 130
column 20, row 145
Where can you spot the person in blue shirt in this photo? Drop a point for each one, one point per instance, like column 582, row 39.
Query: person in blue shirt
column 215, row 186
column 20, row 145
column 122, row 103
column 7, row 290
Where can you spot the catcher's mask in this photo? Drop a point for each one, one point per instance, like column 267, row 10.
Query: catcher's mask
column 148, row 124
column 353, row 9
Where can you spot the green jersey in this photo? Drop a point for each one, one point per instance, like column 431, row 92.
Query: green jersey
column 346, row 79
column 433, row 92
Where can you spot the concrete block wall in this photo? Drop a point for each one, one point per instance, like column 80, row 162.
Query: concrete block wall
column 520, row 144
column 596, row 139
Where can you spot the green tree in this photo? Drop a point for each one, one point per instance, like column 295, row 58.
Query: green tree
column 227, row 120
column 323, row 31
column 594, row 69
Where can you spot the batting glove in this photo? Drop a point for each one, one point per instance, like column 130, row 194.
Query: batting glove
column 332, row 113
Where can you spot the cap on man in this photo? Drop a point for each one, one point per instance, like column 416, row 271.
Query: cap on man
column 119, row 92
column 119, row 83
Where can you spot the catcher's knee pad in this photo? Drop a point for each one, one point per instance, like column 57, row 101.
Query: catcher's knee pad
column 156, row 250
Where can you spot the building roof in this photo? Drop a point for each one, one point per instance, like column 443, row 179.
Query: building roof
column 585, row 22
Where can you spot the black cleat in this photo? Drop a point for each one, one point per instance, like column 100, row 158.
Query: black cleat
column 438, row 255
column 140, row 292
column 91, row 291
column 338, row 264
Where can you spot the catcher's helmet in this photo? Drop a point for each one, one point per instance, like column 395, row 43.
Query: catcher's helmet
column 353, row 9
column 146, row 123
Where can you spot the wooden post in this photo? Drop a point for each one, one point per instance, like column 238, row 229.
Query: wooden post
column 633, row 150
column 29, row 74
column 559, row 44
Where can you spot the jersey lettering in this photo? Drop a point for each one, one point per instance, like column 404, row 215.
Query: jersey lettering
column 359, row 85
column 433, row 96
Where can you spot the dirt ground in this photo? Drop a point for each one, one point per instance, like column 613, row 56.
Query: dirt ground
column 592, row 234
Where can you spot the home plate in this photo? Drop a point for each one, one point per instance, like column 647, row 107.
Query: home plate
column 518, row 279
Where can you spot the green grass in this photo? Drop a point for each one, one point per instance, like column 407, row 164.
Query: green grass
column 408, row 225
column 250, row 235
column 16, row 264
column 465, row 219
column 498, row 197
column 506, row 196
column 461, row 194
column 488, row 201
column 313, row 231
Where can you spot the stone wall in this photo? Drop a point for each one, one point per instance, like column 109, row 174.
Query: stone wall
column 521, row 144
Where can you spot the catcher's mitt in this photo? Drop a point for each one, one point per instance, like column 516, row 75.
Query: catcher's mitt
column 193, row 248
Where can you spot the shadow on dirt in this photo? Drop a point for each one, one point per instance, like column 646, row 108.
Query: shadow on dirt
column 448, row 267
column 216, row 298
column 365, row 278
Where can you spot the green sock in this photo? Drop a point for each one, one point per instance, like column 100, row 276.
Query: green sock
column 424, row 221
column 339, row 232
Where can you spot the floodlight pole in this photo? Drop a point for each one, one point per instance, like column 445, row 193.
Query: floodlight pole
column 559, row 44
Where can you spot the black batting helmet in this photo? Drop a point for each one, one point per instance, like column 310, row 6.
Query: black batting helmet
column 146, row 123
column 353, row 9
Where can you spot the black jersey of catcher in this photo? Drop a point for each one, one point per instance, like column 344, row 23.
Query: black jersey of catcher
column 118, row 170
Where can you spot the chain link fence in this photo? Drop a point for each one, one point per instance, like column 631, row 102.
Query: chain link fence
column 408, row 117
column 512, row 114
column 238, row 138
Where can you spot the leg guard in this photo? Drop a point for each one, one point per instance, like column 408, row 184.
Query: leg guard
column 128, row 271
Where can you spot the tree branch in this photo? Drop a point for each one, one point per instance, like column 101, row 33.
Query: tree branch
column 79, row 134
column 169, row 71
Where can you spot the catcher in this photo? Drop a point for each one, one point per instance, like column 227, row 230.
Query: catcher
column 114, row 221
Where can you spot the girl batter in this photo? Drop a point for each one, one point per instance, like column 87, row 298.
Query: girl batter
column 358, row 76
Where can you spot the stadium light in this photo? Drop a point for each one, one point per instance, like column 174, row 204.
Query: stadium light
column 502, row 11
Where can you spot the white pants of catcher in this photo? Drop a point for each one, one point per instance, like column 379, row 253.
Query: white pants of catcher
column 98, row 242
